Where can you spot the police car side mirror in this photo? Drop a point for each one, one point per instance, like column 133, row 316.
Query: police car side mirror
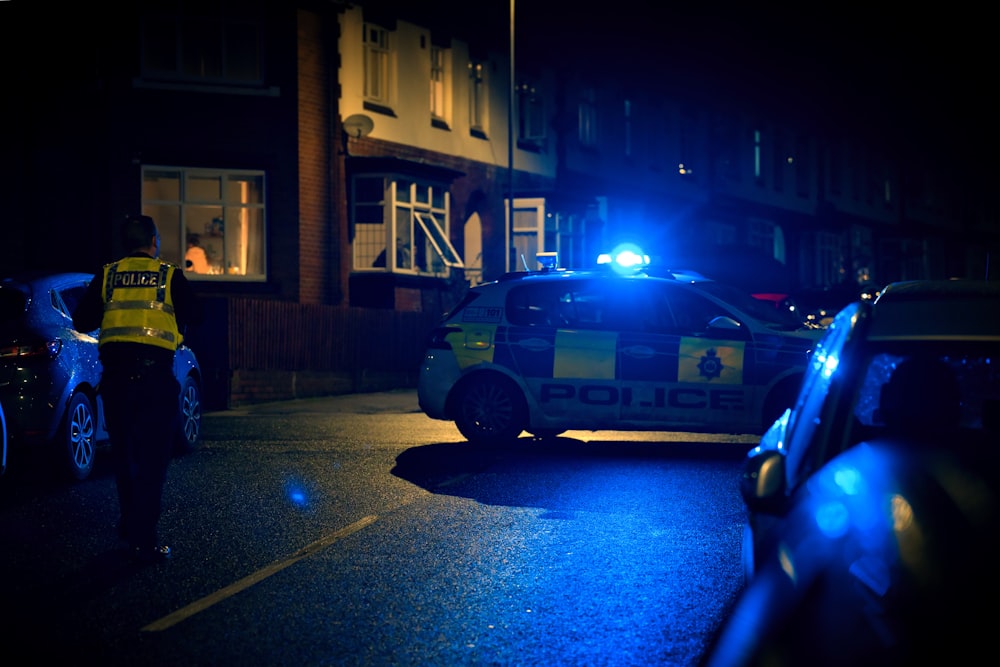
column 724, row 323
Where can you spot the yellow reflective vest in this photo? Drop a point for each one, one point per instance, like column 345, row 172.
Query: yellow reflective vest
column 138, row 305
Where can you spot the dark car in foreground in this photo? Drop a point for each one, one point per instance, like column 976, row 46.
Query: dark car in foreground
column 3, row 441
column 874, row 502
column 49, row 374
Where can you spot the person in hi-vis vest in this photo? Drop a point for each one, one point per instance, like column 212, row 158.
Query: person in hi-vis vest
column 142, row 306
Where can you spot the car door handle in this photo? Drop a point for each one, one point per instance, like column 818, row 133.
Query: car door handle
column 534, row 344
column 639, row 351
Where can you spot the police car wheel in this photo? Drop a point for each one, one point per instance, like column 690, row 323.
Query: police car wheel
column 77, row 440
column 491, row 411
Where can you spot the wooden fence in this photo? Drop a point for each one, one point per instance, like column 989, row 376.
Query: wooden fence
column 254, row 350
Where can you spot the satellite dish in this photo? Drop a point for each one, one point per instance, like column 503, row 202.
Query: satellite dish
column 358, row 125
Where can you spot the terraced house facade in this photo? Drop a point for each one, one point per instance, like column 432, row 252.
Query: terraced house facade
column 351, row 168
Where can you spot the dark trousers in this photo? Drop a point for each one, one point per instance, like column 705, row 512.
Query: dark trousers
column 142, row 412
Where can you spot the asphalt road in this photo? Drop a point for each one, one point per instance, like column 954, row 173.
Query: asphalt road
column 353, row 530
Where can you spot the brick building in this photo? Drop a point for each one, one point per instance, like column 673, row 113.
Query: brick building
column 347, row 168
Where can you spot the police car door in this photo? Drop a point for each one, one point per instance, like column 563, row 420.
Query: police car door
column 567, row 360
column 681, row 372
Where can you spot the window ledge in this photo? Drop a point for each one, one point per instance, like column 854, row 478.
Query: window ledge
column 378, row 108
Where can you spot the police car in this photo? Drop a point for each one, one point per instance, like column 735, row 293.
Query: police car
column 554, row 350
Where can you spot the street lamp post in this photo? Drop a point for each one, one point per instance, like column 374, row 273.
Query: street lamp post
column 509, row 212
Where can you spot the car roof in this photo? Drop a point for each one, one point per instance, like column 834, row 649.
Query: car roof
column 561, row 274
column 607, row 272
column 937, row 309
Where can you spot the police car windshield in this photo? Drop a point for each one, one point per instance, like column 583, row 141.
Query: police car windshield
column 762, row 311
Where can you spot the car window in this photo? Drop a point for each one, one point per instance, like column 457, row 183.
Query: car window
column 691, row 312
column 866, row 406
column 971, row 367
column 599, row 304
column 66, row 299
column 532, row 305
column 775, row 318
column 807, row 415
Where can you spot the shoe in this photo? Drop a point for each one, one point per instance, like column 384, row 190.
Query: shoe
column 156, row 554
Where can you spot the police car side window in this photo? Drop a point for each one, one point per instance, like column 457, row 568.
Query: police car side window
column 532, row 305
column 580, row 306
column 657, row 315
column 691, row 312
column 625, row 306
column 602, row 304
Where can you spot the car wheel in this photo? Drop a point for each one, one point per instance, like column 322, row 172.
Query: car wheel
column 189, row 429
column 77, row 441
column 491, row 411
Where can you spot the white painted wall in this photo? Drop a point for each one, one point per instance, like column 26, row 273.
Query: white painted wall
column 409, row 98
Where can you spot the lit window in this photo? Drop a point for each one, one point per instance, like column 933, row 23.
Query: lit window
column 377, row 68
column 439, row 87
column 478, row 98
column 219, row 212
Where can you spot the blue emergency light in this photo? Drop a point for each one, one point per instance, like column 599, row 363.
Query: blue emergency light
column 626, row 257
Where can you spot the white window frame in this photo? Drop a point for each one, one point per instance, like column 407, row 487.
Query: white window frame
column 533, row 229
column 225, row 207
column 414, row 221
column 479, row 97
column 440, row 93
column 435, row 229
column 378, row 69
